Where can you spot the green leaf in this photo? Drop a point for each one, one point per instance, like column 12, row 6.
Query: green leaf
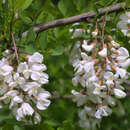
column 20, row 5
column 5, row 117
column 127, row 3
column 44, row 126
column 30, row 49
column 67, row 125
column 100, row 3
column 43, row 40
column 31, row 35
column 26, row 4
column 47, row 12
column 27, row 20
column 67, row 7
column 80, row 4
column 52, row 123
column 8, row 127
column 16, row 127
column 60, row 129
column 58, row 51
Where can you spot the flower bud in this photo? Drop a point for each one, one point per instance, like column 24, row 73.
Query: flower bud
column 110, row 38
column 95, row 33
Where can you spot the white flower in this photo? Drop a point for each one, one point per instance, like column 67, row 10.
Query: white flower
column 85, row 56
column 79, row 98
column 95, row 33
column 35, row 75
column 125, row 63
column 103, row 52
column 22, row 67
column 82, row 114
column 9, row 95
column 24, row 110
column 35, row 58
column 8, row 78
column 44, row 78
column 128, row 14
column 15, row 100
column 3, row 1
column 93, row 78
column 75, row 81
column 115, row 44
column 17, row 80
column 26, row 74
column 123, row 23
column 89, row 67
column 31, row 88
column 108, row 64
column 109, row 77
column 119, row 93
column 80, row 68
column 42, row 101
column 123, row 54
column 38, row 67
column 120, row 72
column 77, row 33
column 86, row 47
column 24, row 34
column 37, row 118
column 3, row 88
column 79, row 79
column 98, row 88
column 128, row 34
column 111, row 101
column 5, row 70
column 103, row 111
column 100, row 73
column 75, row 53
column 40, row 77
column 20, row 87
column 85, row 119
column 85, row 124
column 6, row 53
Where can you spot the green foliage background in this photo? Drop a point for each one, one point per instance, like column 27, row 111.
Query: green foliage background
column 54, row 44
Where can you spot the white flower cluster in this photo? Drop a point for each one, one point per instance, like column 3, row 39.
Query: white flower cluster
column 20, row 87
column 100, row 69
column 124, row 24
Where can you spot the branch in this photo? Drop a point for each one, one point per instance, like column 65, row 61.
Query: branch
column 79, row 18
column 54, row 97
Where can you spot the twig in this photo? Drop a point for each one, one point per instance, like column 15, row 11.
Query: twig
column 103, row 24
column 53, row 97
column 15, row 48
column 79, row 18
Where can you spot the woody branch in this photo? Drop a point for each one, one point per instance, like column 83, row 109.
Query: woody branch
column 80, row 18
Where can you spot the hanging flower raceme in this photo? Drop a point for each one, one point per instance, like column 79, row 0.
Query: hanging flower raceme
column 124, row 23
column 100, row 69
column 21, row 87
